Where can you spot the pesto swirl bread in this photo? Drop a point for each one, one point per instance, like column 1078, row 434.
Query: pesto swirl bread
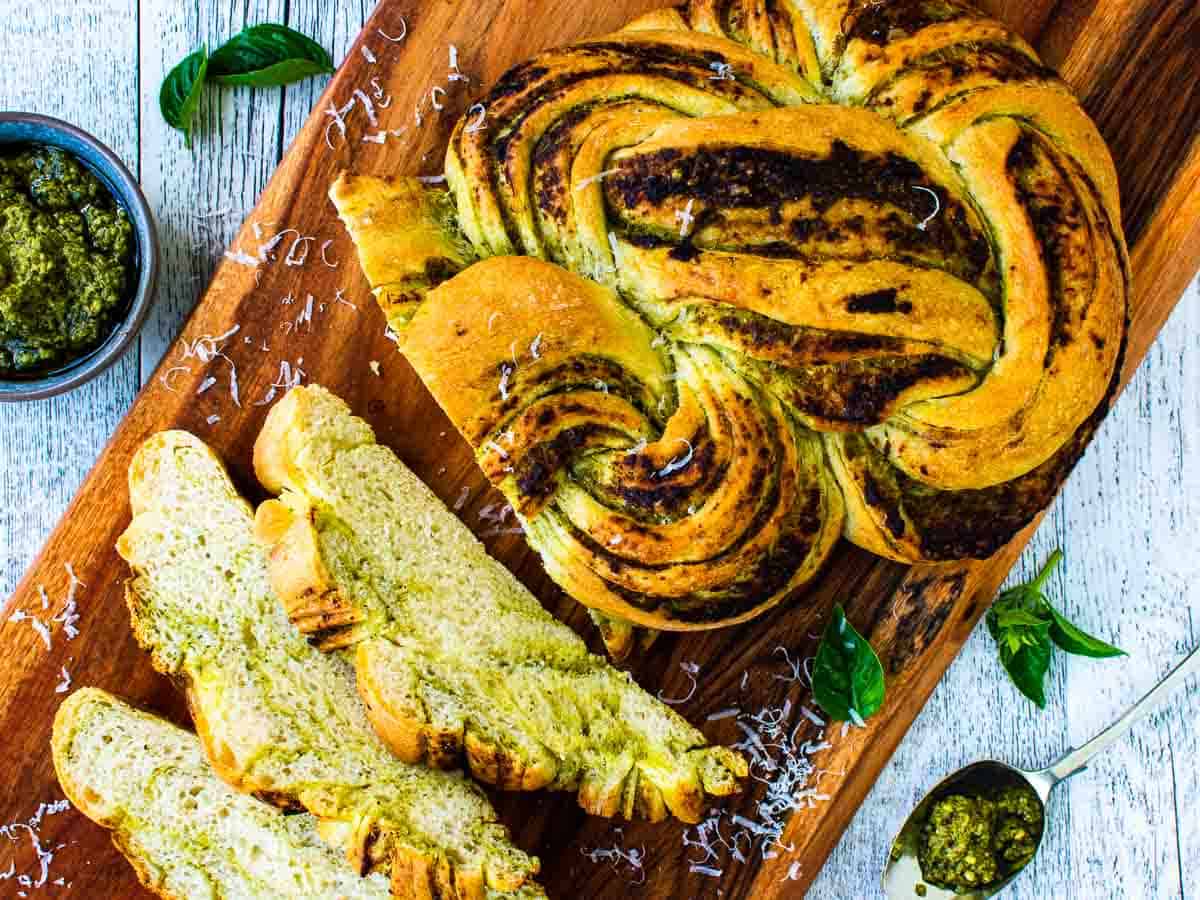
column 455, row 659
column 185, row 832
column 743, row 277
column 276, row 717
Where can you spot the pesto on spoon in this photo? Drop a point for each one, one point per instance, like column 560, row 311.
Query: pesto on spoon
column 903, row 877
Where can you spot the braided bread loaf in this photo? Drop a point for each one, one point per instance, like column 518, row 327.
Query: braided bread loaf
column 745, row 277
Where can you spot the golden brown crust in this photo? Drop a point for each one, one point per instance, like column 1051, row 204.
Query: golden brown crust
column 917, row 257
column 271, row 458
column 400, row 720
column 739, row 494
column 300, row 578
column 464, row 338
column 161, row 481
column 525, row 710
column 399, row 226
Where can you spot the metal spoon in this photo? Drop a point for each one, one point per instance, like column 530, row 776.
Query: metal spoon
column 902, row 879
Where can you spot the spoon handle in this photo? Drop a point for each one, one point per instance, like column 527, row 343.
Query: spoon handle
column 1076, row 760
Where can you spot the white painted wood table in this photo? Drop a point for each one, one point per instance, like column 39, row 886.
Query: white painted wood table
column 1127, row 519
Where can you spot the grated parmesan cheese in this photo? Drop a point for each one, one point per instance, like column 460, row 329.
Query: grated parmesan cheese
column 724, row 71
column 337, row 116
column 480, row 112
column 305, row 316
column 812, row 717
column 685, row 218
column 496, row 514
column 45, row 856
column 368, row 106
column 242, row 258
column 288, row 379
column 165, row 377
column 398, row 38
column 723, row 714
column 37, row 624
column 302, row 242
column 617, row 855
column 604, row 173
column 455, row 73
column 781, row 762
column 492, row 445
column 233, row 385
column 795, row 667
column 382, row 100
column 937, row 207
column 264, row 250
column 678, row 462
column 70, row 611
column 691, row 670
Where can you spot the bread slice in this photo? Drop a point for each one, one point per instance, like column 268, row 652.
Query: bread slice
column 187, row 833
column 455, row 658
column 276, row 717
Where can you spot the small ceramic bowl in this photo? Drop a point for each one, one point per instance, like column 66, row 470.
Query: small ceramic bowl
column 30, row 128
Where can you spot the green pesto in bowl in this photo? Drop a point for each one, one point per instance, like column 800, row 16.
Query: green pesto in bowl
column 67, row 260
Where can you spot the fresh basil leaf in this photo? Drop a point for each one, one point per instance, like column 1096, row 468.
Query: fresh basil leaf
column 179, row 95
column 1051, row 564
column 1027, row 668
column 1026, row 628
column 1020, row 618
column 847, row 677
column 1075, row 640
column 1020, row 625
column 267, row 56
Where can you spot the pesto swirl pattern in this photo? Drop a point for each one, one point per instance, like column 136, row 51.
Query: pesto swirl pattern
column 707, row 293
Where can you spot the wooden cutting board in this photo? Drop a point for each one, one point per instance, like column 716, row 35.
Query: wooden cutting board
column 1133, row 62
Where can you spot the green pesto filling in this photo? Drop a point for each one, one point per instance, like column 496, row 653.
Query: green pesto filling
column 971, row 842
column 66, row 260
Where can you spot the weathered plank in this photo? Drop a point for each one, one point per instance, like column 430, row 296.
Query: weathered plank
column 201, row 196
column 1126, row 520
column 46, row 447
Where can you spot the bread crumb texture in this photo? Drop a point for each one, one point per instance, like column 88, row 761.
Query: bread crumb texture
column 458, row 662
column 277, row 717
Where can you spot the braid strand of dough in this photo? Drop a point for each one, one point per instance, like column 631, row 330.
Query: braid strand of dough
column 710, row 292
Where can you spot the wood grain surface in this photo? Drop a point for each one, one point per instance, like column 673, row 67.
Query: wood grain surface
column 1133, row 63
